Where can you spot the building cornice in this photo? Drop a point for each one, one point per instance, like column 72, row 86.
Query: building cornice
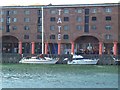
column 65, row 5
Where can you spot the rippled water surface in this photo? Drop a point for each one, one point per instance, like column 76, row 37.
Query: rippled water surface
column 59, row 76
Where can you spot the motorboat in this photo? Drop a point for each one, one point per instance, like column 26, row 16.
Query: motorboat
column 78, row 59
column 39, row 60
column 116, row 61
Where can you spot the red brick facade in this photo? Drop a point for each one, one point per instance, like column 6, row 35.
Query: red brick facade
column 67, row 29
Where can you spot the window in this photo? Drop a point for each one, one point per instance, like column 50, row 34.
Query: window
column 86, row 11
column 39, row 12
column 14, row 19
column 52, row 19
column 1, row 28
column 108, row 18
column 79, row 19
column 39, row 19
column 66, row 18
column 2, row 12
column 93, row 10
column 26, row 28
column 39, row 28
column 108, row 37
column 86, row 19
column 52, row 36
column 14, row 12
column 26, row 19
column 78, row 27
column 86, row 29
column 66, row 11
column 8, row 20
column 94, row 18
column 8, row 13
column 66, row 27
column 27, row 12
column 39, row 36
column 79, row 10
column 53, row 11
column 8, row 27
column 66, row 37
column 52, row 27
column 93, row 27
column 1, row 19
column 26, row 36
column 14, row 28
column 108, row 10
column 108, row 27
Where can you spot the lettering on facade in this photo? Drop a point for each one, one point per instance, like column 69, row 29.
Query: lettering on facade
column 59, row 28
column 59, row 22
column 59, row 36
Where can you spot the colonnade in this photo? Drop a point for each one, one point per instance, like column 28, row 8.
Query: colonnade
column 72, row 48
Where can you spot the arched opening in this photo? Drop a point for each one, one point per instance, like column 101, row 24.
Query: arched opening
column 87, row 45
column 9, row 44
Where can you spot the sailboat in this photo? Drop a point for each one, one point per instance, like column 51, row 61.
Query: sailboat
column 40, row 59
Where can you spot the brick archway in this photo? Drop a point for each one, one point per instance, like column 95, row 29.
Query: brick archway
column 9, row 44
column 87, row 45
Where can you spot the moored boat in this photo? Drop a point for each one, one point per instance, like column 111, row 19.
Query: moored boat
column 78, row 59
column 38, row 60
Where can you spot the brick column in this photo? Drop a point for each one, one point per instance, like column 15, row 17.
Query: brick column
column 72, row 47
column 33, row 47
column 20, row 47
column 46, row 47
column 115, row 48
column 100, row 48
column 59, row 48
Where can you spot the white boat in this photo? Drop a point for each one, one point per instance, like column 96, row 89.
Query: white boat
column 78, row 59
column 38, row 60
column 116, row 61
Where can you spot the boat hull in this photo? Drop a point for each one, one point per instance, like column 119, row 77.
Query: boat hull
column 83, row 62
column 38, row 61
column 117, row 62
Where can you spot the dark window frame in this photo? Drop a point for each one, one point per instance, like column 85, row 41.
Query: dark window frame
column 66, row 19
column 52, row 19
column 26, row 36
column 66, row 36
column 94, row 18
column 108, row 18
column 52, row 36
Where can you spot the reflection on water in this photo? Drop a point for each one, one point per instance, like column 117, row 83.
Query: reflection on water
column 59, row 76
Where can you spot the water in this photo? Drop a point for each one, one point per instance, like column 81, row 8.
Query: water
column 59, row 76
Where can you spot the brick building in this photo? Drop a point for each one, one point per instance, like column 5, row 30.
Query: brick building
column 80, row 28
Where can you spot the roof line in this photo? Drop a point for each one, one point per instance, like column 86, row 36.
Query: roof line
column 65, row 5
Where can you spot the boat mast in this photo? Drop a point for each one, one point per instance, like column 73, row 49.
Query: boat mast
column 42, row 32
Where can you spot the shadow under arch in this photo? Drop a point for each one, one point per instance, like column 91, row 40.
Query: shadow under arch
column 87, row 45
column 9, row 44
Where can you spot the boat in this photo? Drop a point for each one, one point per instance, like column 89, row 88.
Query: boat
column 116, row 61
column 78, row 59
column 39, row 60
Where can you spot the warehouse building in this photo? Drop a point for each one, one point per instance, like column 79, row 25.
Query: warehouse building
column 65, row 29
